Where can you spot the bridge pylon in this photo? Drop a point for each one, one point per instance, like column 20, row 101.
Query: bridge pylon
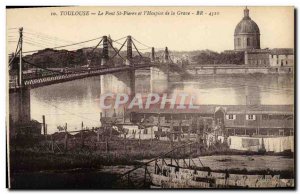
column 105, row 56
column 152, row 55
column 129, row 51
column 18, row 74
column 166, row 58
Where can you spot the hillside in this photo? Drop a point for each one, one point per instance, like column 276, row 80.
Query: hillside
column 50, row 58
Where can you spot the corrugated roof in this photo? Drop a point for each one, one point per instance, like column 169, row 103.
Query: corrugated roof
column 210, row 109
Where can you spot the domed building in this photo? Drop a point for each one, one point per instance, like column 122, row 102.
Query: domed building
column 246, row 34
column 247, row 41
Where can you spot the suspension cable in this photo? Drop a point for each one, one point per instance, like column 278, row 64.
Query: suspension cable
column 16, row 53
column 171, row 59
column 42, row 67
column 14, row 57
column 141, row 43
column 117, row 52
column 137, row 49
column 66, row 45
column 119, row 39
column 92, row 53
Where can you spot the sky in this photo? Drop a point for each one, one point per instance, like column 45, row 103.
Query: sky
column 178, row 32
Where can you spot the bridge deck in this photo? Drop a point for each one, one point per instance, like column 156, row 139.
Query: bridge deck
column 59, row 78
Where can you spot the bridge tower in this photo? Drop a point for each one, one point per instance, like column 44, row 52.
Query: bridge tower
column 104, row 51
column 166, row 58
column 152, row 55
column 19, row 74
column 129, row 50
column 160, row 74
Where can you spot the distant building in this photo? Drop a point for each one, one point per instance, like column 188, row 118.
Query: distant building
column 257, row 57
column 269, row 120
column 281, row 57
column 246, row 34
column 247, row 40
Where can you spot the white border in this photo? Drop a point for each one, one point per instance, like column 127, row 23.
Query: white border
column 5, row 3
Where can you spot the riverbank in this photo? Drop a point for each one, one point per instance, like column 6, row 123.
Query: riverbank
column 39, row 158
column 106, row 176
column 87, row 167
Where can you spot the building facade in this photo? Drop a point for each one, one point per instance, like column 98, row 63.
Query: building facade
column 278, row 60
column 281, row 57
column 246, row 120
column 257, row 57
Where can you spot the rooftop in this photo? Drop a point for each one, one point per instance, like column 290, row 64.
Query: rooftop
column 211, row 109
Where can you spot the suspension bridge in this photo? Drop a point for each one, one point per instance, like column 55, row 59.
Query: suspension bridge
column 41, row 76
column 26, row 73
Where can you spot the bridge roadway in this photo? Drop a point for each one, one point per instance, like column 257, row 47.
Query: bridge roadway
column 63, row 77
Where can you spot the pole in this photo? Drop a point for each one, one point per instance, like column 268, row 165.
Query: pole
column 52, row 143
column 145, row 175
column 106, row 145
column 125, row 143
column 44, row 125
column 98, row 130
column 124, row 114
column 190, row 155
column 179, row 136
column 81, row 135
column 151, row 134
column 66, row 137
column 189, row 132
column 110, row 132
column 140, row 138
column 171, row 133
column 20, row 56
column 46, row 131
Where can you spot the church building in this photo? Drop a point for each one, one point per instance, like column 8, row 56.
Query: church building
column 247, row 40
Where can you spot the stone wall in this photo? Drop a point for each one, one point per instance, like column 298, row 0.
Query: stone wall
column 211, row 70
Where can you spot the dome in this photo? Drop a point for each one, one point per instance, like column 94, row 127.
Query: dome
column 246, row 34
column 246, row 26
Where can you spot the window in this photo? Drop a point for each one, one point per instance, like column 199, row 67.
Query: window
column 265, row 117
column 250, row 117
column 239, row 42
column 248, row 41
column 230, row 117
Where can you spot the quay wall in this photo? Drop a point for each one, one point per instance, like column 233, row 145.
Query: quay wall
column 213, row 70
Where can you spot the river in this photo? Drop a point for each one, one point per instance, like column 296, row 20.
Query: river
column 77, row 101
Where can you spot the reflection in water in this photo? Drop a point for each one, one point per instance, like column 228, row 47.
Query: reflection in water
column 76, row 101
